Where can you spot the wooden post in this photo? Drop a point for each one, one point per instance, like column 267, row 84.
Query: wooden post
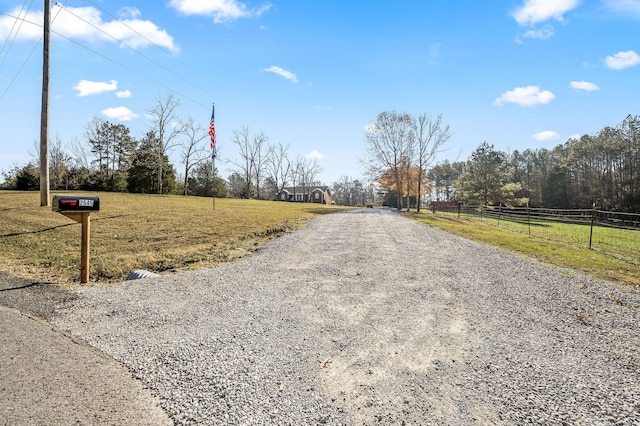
column 44, row 113
column 85, row 242
column 593, row 219
column 85, row 246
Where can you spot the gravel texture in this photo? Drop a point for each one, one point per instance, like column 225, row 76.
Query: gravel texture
column 365, row 317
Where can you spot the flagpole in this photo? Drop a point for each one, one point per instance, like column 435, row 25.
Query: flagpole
column 213, row 173
column 212, row 133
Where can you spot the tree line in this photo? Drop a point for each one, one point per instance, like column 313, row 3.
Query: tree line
column 603, row 168
column 109, row 158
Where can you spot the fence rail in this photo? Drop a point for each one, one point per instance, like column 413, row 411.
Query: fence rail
column 613, row 232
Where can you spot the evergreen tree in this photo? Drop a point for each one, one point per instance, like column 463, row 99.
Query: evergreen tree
column 143, row 173
column 486, row 179
column 28, row 178
column 201, row 180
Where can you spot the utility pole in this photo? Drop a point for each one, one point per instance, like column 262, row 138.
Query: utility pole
column 44, row 114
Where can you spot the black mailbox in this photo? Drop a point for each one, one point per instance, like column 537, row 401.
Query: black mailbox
column 70, row 203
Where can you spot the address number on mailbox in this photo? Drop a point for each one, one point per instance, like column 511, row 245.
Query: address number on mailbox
column 68, row 203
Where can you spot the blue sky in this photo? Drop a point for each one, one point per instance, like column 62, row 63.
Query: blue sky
column 312, row 74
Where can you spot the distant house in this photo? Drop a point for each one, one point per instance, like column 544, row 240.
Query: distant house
column 319, row 195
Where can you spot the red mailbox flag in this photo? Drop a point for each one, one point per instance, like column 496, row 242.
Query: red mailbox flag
column 212, row 127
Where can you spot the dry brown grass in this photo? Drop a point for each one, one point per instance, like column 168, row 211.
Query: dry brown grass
column 133, row 231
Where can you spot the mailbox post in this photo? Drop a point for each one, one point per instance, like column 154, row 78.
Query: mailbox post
column 79, row 208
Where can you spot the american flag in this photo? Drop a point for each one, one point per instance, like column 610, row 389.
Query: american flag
column 212, row 128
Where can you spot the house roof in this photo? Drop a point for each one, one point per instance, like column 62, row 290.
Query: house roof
column 300, row 189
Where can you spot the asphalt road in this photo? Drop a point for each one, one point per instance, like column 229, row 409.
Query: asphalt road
column 49, row 378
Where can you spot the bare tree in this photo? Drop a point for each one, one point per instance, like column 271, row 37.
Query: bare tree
column 164, row 123
column 343, row 191
column 430, row 136
column 79, row 153
column 252, row 162
column 278, row 165
column 309, row 171
column 389, row 146
column 259, row 159
column 245, row 165
column 193, row 151
column 295, row 174
column 59, row 163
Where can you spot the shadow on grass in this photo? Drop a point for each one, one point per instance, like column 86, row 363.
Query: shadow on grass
column 39, row 231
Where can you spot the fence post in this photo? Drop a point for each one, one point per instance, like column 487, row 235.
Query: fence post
column 458, row 211
column 528, row 218
column 499, row 214
column 593, row 219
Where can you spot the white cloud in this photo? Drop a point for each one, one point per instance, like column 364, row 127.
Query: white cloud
column 622, row 60
column 525, row 96
column 282, row 73
column 584, row 85
column 129, row 12
column 86, row 24
column 86, row 87
column 138, row 33
column 31, row 28
column 535, row 11
column 540, row 34
column 623, row 6
column 123, row 94
column 119, row 113
column 220, row 10
column 546, row 136
column 315, row 155
column 575, row 137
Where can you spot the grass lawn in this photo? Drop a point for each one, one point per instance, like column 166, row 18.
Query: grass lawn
column 172, row 233
column 615, row 260
column 134, row 231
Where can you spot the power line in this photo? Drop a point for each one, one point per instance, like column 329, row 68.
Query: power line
column 22, row 21
column 20, row 69
column 15, row 22
column 130, row 69
column 132, row 48
column 105, row 57
column 129, row 27
column 163, row 49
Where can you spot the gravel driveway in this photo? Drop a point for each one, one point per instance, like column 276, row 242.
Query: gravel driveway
column 365, row 317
